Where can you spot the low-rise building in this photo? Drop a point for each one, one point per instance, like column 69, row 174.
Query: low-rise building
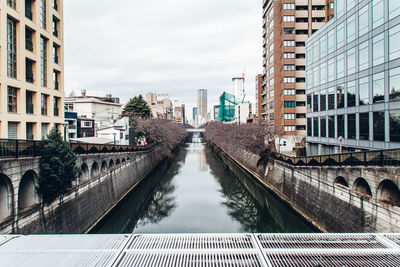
column 180, row 116
column 118, row 132
column 160, row 105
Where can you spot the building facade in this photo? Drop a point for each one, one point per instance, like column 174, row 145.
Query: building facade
column 286, row 26
column 160, row 105
column 353, row 79
column 259, row 99
column 202, row 106
column 31, row 68
column 180, row 114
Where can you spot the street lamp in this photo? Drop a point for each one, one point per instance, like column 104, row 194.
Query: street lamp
column 341, row 144
column 65, row 125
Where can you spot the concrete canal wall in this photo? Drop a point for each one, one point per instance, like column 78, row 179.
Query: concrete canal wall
column 105, row 179
column 333, row 199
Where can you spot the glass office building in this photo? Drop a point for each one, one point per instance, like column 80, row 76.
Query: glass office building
column 353, row 78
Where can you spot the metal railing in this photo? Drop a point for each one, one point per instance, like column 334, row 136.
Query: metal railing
column 14, row 148
column 367, row 158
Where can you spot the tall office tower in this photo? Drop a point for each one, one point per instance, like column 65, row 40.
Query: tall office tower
column 32, row 68
column 353, row 79
column 286, row 26
column 202, row 105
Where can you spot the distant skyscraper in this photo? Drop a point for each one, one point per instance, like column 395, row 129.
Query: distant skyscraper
column 202, row 105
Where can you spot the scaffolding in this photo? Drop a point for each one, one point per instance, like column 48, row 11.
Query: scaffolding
column 227, row 106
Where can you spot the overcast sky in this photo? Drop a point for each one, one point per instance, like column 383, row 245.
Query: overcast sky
column 130, row 47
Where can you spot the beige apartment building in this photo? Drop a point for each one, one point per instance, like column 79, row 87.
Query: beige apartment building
column 31, row 68
column 286, row 26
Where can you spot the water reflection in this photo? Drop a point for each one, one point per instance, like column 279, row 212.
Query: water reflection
column 180, row 197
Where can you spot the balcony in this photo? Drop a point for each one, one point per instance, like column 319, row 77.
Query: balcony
column 28, row 13
column 29, row 77
column 29, row 108
column 56, row 112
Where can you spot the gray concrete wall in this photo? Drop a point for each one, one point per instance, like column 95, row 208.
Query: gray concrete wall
column 105, row 179
column 317, row 194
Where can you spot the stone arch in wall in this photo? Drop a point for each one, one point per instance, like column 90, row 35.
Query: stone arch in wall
column 362, row 187
column 340, row 180
column 27, row 195
column 123, row 161
column 118, row 163
column 84, row 173
column 103, row 167
column 6, row 197
column 111, row 165
column 388, row 192
column 95, row 170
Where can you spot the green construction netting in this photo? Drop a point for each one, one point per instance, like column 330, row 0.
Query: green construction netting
column 227, row 103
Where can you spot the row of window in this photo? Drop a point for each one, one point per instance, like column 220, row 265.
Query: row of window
column 13, row 130
column 348, row 31
column 12, row 102
column 325, row 126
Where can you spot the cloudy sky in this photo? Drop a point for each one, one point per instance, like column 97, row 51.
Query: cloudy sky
column 130, row 47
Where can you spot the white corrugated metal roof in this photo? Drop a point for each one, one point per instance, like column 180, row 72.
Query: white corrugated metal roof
column 202, row 250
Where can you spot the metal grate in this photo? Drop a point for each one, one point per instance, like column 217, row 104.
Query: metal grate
column 193, row 241
column 319, row 241
column 358, row 259
column 197, row 259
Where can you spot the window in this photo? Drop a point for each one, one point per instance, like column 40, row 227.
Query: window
column 12, row 3
column 363, row 21
column 56, row 111
column 288, row 79
column 340, row 126
column 309, row 127
column 86, row 124
column 288, row 6
column 44, row 105
column 271, row 93
column 331, row 41
column 322, row 47
column 289, row 104
column 271, row 116
column 45, row 130
column 364, row 126
column 289, row 91
column 271, row 59
column 69, row 107
column 351, row 28
column 322, row 100
column 55, row 80
column 331, row 98
column 377, row 13
column 378, row 49
column 271, row 13
column 290, row 128
column 11, row 48
column 288, row 43
column 332, row 5
column 316, row 76
column 351, row 61
column 271, row 24
column 289, row 116
column 351, row 126
column 394, row 40
column 340, row 96
column 394, row 84
column 331, row 70
column 315, row 102
column 12, row 130
column 271, row 70
column 300, row 92
column 271, row 105
column 288, row 18
column 29, row 70
column 316, row 127
column 394, row 116
column 379, row 126
column 300, row 103
column 323, row 72
column 12, row 99
column 43, row 15
column 288, row 30
column 55, row 27
column 28, row 39
column 28, row 9
column 55, row 5
column 394, row 8
column 351, row 94
column 316, row 51
column 43, row 61
column 55, row 53
column 331, row 126
column 309, row 102
column 363, row 91
column 378, row 87
column 288, row 67
column 271, row 82
column 363, row 56
column 29, row 102
column 339, row 7
column 288, row 55
column 323, row 126
column 340, row 67
column 340, row 35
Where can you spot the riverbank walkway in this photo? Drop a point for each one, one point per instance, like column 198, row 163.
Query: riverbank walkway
column 202, row 250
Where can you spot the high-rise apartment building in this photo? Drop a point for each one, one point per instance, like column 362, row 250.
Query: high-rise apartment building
column 32, row 68
column 259, row 88
column 202, row 105
column 353, row 79
column 286, row 26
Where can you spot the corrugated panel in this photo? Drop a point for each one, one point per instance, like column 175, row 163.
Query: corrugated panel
column 189, row 259
column 193, row 241
column 359, row 259
column 393, row 238
column 65, row 242
column 319, row 241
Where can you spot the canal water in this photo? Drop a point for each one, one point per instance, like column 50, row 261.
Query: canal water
column 196, row 193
